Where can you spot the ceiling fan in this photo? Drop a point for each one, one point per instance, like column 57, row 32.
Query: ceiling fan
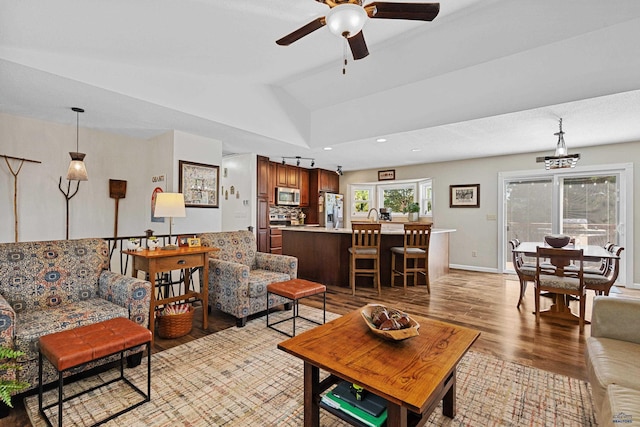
column 347, row 17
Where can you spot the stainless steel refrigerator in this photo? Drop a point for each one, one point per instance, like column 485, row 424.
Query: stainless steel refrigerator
column 331, row 210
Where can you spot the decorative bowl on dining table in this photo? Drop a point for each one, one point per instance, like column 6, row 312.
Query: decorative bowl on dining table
column 399, row 325
column 557, row 240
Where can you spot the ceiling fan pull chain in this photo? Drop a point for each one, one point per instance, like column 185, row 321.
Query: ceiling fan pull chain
column 344, row 56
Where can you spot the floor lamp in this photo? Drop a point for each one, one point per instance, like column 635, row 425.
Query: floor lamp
column 170, row 205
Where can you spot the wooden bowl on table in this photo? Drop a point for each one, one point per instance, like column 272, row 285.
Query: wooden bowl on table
column 557, row 240
column 394, row 335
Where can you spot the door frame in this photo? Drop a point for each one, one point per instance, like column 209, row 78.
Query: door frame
column 623, row 170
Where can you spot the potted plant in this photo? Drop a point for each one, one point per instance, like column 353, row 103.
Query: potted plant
column 413, row 209
column 9, row 385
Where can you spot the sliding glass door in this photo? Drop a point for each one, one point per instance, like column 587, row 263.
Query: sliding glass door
column 587, row 205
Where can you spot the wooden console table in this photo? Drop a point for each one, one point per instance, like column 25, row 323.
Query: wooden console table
column 160, row 260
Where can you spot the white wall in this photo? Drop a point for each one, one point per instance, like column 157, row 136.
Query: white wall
column 239, row 209
column 475, row 231
column 41, row 206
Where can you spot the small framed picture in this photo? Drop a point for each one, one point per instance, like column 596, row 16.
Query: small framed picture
column 464, row 196
column 183, row 241
column 199, row 184
column 387, row 175
column 194, row 242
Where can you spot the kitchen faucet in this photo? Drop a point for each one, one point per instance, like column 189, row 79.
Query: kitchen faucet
column 377, row 214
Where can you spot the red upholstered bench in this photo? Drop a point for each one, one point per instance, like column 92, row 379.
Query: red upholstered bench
column 295, row 290
column 74, row 347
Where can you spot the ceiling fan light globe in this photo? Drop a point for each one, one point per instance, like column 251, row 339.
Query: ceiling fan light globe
column 346, row 20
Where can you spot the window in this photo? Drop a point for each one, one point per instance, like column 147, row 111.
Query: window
column 396, row 196
column 426, row 198
column 361, row 200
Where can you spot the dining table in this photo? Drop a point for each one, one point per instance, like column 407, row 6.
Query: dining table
column 591, row 253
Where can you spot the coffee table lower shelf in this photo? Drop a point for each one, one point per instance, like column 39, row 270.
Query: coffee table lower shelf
column 413, row 419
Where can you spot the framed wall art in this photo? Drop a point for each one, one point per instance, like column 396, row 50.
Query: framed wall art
column 199, row 183
column 464, row 196
column 387, row 175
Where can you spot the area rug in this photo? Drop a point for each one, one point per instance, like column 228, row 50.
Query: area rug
column 238, row 377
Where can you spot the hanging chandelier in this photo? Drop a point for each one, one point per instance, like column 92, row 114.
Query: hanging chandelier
column 561, row 159
column 77, row 170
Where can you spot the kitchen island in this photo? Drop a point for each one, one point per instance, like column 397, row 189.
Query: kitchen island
column 323, row 253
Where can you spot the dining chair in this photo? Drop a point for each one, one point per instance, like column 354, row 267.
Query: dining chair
column 526, row 272
column 602, row 283
column 414, row 253
column 560, row 282
column 602, row 269
column 365, row 245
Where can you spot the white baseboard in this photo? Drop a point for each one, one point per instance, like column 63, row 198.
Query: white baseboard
column 473, row 268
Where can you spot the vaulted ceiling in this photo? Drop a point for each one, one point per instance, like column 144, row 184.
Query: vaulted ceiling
column 484, row 78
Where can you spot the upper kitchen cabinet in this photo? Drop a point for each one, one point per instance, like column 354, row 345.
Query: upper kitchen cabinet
column 281, row 175
column 273, row 173
column 303, row 180
column 328, row 181
column 292, row 176
column 263, row 177
column 287, row 176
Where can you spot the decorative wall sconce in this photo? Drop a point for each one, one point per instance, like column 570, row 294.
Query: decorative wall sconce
column 297, row 159
column 77, row 170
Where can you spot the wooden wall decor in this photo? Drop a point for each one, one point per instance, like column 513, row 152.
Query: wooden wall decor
column 15, row 186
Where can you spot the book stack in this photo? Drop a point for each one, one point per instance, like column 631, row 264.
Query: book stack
column 370, row 411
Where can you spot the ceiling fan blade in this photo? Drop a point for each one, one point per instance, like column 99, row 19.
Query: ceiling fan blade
column 302, row 31
column 358, row 46
column 412, row 11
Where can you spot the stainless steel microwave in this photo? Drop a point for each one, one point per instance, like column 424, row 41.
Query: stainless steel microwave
column 287, row 196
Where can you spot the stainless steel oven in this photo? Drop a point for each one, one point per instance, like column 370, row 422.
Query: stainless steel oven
column 287, row 196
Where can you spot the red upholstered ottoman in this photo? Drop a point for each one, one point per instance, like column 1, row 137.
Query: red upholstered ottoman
column 296, row 289
column 75, row 347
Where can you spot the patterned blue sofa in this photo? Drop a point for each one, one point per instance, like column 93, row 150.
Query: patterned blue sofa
column 51, row 286
column 239, row 274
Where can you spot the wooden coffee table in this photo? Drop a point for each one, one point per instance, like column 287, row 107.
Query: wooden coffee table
column 413, row 375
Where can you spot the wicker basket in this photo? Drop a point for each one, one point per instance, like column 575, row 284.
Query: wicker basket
column 175, row 325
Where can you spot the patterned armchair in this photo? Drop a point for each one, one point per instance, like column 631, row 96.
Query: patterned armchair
column 239, row 274
column 51, row 286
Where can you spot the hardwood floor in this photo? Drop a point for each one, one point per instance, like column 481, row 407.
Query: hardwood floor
column 483, row 301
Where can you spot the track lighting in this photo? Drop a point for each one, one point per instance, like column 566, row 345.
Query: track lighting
column 298, row 159
column 339, row 170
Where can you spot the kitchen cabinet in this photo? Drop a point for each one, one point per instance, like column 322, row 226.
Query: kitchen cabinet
column 273, row 170
column 292, row 176
column 275, row 241
column 262, row 232
column 303, row 181
column 329, row 181
column 286, row 176
column 320, row 180
column 281, row 175
column 263, row 177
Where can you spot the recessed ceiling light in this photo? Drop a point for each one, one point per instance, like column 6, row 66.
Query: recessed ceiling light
column 328, row 148
column 415, row 150
column 381, row 140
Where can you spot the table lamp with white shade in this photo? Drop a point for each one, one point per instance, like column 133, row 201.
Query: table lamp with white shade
column 170, row 205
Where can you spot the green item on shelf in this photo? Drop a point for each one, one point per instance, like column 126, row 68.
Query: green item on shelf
column 333, row 401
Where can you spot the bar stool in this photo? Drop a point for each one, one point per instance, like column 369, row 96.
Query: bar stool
column 365, row 245
column 416, row 248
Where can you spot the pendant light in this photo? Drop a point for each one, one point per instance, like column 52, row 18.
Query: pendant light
column 77, row 170
column 561, row 159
